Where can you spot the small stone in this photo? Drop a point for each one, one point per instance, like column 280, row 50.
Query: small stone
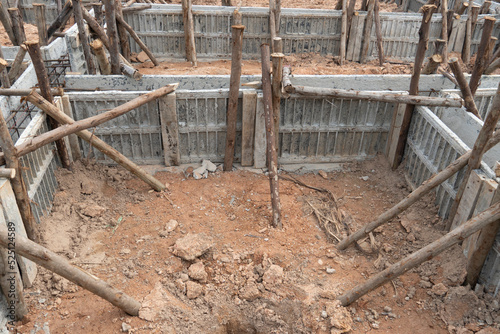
column 387, row 309
column 171, row 225
column 320, row 262
column 324, row 315
column 272, row 277
column 209, row 165
column 193, row 290
column 365, row 178
column 250, row 292
column 192, row 246
column 184, row 277
column 197, row 272
column 125, row 251
column 330, row 271
column 439, row 289
column 142, row 57
column 93, row 210
column 328, row 294
column 323, row 174
column 179, row 284
column 425, row 284
column 375, row 325
column 411, row 237
column 126, row 327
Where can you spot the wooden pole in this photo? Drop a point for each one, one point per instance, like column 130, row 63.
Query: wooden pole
column 130, row 71
column 480, row 147
column 43, row 81
column 491, row 47
column 18, row 186
column 350, row 13
column 112, row 36
column 234, row 88
column 137, row 8
column 482, row 54
column 101, row 57
column 474, row 13
column 367, row 33
column 122, row 32
column 444, row 30
column 378, row 31
column 7, row 24
column 485, row 7
column 277, row 58
column 493, row 66
column 463, row 7
column 272, row 21
column 99, row 16
column 17, row 24
column 464, row 87
column 424, row 254
column 95, row 26
column 187, row 16
column 467, row 41
column 343, row 33
column 427, row 12
column 91, row 122
column 61, row 19
column 8, row 173
column 432, row 64
column 4, row 76
column 451, row 16
column 272, row 157
column 41, row 23
column 25, row 92
column 136, row 38
column 61, row 266
column 88, row 136
column 82, row 34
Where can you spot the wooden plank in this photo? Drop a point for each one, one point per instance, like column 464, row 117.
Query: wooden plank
column 170, row 129
column 11, row 214
column 394, row 131
column 469, row 199
column 74, row 144
column 355, row 36
column 259, row 152
column 248, row 127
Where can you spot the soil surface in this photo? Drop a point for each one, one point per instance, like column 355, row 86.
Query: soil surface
column 203, row 258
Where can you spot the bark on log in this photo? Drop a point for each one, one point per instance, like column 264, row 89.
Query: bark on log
column 485, row 7
column 450, row 17
column 4, row 76
column 287, row 84
column 130, row 72
column 368, row 31
column 41, row 23
column 61, row 19
column 8, row 173
column 433, row 64
column 493, row 66
column 122, row 31
column 96, row 27
column 272, row 157
column 444, row 30
column 272, row 20
column 234, row 88
column 463, row 7
column 482, row 54
column 378, row 31
column 129, row 3
column 137, row 39
column 424, row 254
column 16, row 67
column 137, row 8
column 469, row 103
column 91, row 122
column 61, row 266
column 491, row 47
column 277, row 58
column 448, row 76
column 7, row 24
column 187, row 16
column 112, row 36
column 343, row 33
column 101, row 56
column 415, row 195
column 98, row 14
column 474, row 13
column 417, row 68
column 82, row 34
column 17, row 24
column 97, row 143
column 25, row 92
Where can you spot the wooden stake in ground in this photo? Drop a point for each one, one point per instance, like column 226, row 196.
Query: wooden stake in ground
column 368, row 31
column 187, row 16
column 432, row 64
column 4, row 76
column 41, row 23
column 277, row 57
column 101, row 56
column 415, row 195
column 444, row 30
column 485, row 7
column 464, row 87
column 467, row 41
column 82, row 34
column 482, row 54
column 272, row 157
column 343, row 33
column 378, row 31
column 43, row 81
column 17, row 24
column 425, row 254
column 112, row 36
column 462, row 8
column 7, row 24
column 137, row 39
column 272, row 21
column 61, row 266
column 122, row 32
column 427, row 12
column 234, row 88
column 61, row 19
column 88, row 136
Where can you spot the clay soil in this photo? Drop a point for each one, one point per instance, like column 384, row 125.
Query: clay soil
column 254, row 278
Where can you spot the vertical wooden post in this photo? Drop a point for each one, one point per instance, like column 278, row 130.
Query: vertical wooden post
column 491, row 47
column 17, row 24
column 99, row 17
column 122, row 32
column 112, row 36
column 7, row 24
column 82, row 34
column 343, row 33
column 4, row 76
column 102, row 59
column 187, row 16
column 482, row 54
column 378, row 30
column 450, row 17
column 272, row 21
column 41, row 23
column 350, row 14
column 444, row 30
column 464, row 87
column 170, row 129
column 427, row 12
column 467, row 41
column 43, row 82
column 485, row 7
column 462, row 8
column 474, row 13
column 234, row 88
column 277, row 58
column 248, row 127
column 272, row 157
column 367, row 33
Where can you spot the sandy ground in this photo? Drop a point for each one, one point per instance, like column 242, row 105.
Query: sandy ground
column 252, row 278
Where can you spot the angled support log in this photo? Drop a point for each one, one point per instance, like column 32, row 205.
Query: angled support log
column 469, row 103
column 485, row 7
column 4, row 76
column 122, row 32
column 444, row 30
column 432, row 64
column 82, row 34
column 17, row 24
column 7, row 24
column 25, row 92
column 61, row 19
column 482, row 54
column 136, row 8
column 101, row 57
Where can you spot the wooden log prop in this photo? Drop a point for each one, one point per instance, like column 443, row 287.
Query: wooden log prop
column 129, row 3
column 95, row 27
column 444, row 30
column 482, row 54
column 350, row 14
column 137, row 39
column 378, row 32
column 286, row 82
column 18, row 185
column 448, row 76
column 41, row 23
column 493, row 67
column 61, row 266
column 467, row 40
column 343, row 33
column 474, row 13
column 43, row 81
column 16, row 67
column 491, row 48
column 367, row 31
column 277, row 60
column 122, row 31
column 272, row 20
column 463, row 7
column 272, row 157
column 451, row 17
column 424, row 254
column 130, row 72
column 234, row 88
column 187, row 17
column 99, row 144
column 427, row 10
column 61, row 19
column 112, row 36
column 4, row 76
column 432, row 64
column 7, row 24
column 25, row 92
column 485, row 7
column 469, row 103
column 91, row 122
column 8, row 173
column 98, row 14
column 374, row 96
column 480, row 147
column 136, row 8
column 415, row 195
column 17, row 24
column 101, row 56
column 82, row 34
